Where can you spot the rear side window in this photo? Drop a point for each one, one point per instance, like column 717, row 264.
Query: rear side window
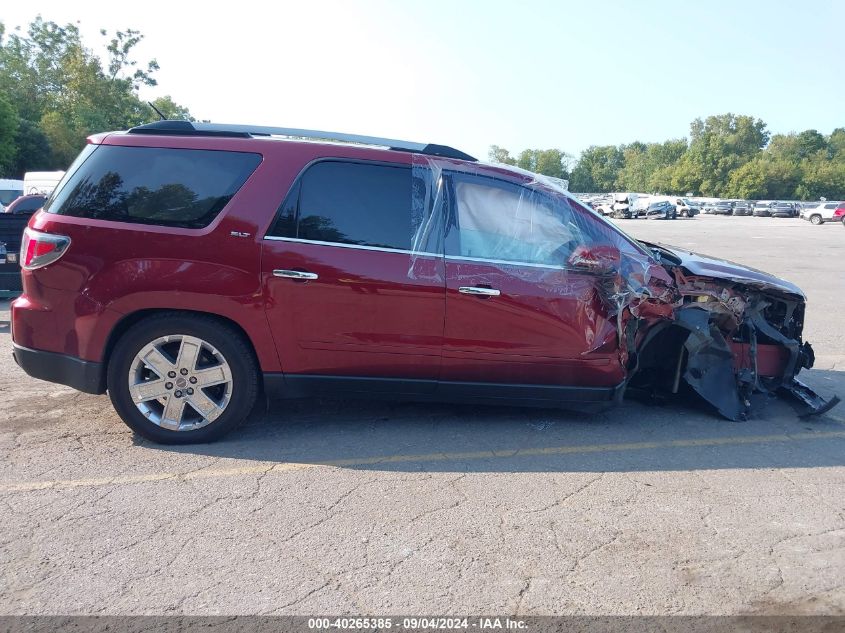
column 350, row 203
column 151, row 185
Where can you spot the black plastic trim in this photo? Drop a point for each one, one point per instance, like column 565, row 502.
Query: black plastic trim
column 83, row 375
column 305, row 385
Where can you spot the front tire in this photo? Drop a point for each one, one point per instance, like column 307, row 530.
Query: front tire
column 816, row 219
column 180, row 378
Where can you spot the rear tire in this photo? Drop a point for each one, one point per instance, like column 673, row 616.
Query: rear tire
column 222, row 358
column 816, row 219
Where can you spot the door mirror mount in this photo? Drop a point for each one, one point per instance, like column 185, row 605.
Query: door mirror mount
column 600, row 258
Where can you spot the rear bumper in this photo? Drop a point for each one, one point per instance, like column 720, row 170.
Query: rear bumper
column 82, row 375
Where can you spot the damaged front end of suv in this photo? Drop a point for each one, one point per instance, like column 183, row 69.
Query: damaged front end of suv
column 730, row 333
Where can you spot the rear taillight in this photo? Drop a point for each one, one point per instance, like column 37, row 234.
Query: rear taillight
column 39, row 249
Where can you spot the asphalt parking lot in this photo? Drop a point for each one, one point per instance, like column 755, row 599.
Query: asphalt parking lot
column 350, row 507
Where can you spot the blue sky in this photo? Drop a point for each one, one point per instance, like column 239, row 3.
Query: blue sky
column 471, row 74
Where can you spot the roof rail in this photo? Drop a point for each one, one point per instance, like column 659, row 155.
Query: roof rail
column 188, row 128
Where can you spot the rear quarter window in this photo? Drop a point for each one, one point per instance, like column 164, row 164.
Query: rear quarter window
column 150, row 185
column 358, row 204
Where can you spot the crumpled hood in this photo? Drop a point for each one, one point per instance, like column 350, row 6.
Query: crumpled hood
column 706, row 266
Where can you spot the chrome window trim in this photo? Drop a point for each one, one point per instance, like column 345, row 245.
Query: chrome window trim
column 361, row 247
column 383, row 249
column 506, row 262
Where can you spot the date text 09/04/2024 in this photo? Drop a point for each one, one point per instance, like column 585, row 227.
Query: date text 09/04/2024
column 416, row 623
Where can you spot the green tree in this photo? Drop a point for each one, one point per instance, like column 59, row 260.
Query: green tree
column 598, row 169
column 645, row 166
column 8, row 133
column 836, row 143
column 68, row 91
column 33, row 150
column 765, row 177
column 821, row 177
column 498, row 154
column 549, row 162
column 172, row 110
column 810, row 142
column 718, row 145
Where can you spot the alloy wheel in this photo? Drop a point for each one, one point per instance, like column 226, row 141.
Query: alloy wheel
column 180, row 382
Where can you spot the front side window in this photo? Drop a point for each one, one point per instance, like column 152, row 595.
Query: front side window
column 499, row 221
column 350, row 203
column 152, row 185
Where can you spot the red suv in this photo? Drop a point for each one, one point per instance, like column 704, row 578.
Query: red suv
column 185, row 268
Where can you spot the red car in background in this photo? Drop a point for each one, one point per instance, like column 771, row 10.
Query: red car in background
column 185, row 268
column 839, row 214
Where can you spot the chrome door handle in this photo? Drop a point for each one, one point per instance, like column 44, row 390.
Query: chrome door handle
column 295, row 274
column 479, row 291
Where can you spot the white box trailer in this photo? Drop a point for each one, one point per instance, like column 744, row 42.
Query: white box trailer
column 42, row 182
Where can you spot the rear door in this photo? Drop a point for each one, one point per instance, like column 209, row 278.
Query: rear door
column 347, row 297
column 517, row 311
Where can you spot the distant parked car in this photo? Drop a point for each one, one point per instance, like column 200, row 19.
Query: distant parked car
column 723, row 207
column 604, row 208
column 663, row 210
column 686, row 208
column 783, row 210
column 762, row 209
column 743, row 208
column 839, row 213
column 9, row 190
column 27, row 204
column 820, row 213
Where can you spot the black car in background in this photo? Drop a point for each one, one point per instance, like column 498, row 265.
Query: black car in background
column 27, row 204
column 783, row 210
column 663, row 210
column 763, row 209
column 723, row 207
column 743, row 208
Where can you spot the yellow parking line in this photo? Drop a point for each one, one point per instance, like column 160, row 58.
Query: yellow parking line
column 268, row 468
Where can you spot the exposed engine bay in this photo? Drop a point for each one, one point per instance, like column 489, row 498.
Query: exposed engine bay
column 734, row 337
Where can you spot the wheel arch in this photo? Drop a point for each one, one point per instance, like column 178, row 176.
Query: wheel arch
column 129, row 320
column 660, row 354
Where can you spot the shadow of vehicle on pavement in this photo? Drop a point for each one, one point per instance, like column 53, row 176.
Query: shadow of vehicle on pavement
column 675, row 436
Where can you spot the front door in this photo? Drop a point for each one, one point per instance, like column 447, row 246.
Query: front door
column 517, row 310
column 347, row 298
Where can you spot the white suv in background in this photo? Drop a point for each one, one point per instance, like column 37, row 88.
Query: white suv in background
column 820, row 213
